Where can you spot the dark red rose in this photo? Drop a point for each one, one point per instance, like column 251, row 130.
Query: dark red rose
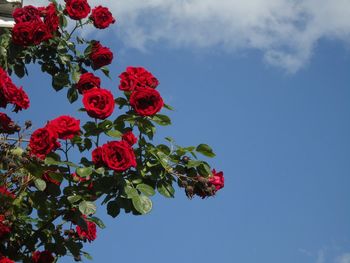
column 217, row 180
column 97, row 157
column 22, row 33
column 6, row 260
column 43, row 141
column 99, row 103
column 51, row 18
column 6, row 124
column 49, row 179
column 27, row 13
column 102, row 17
column 88, row 81
column 4, row 228
column 30, row 33
column 4, row 192
column 65, row 126
column 100, row 56
column 77, row 9
column 137, row 77
column 146, row 101
column 18, row 98
column 118, row 156
column 43, row 257
column 130, row 138
column 88, row 232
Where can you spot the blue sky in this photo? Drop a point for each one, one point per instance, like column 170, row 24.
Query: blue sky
column 281, row 132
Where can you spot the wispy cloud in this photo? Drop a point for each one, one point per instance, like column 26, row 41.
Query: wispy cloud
column 345, row 258
column 285, row 31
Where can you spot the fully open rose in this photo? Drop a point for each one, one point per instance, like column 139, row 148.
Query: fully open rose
column 137, row 77
column 100, row 56
column 99, row 103
column 65, row 126
column 43, row 141
column 77, row 9
column 118, row 155
column 102, row 17
column 146, row 101
column 88, row 81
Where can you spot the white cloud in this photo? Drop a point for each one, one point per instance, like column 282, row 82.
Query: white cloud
column 285, row 31
column 345, row 258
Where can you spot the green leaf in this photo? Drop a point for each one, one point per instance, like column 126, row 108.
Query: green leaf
column 206, row 150
column 105, row 71
column 166, row 189
column 130, row 192
column 114, row 134
column 146, row 189
column 142, row 204
column 161, row 119
column 168, row 107
column 121, row 102
column 60, row 80
column 74, row 198
column 72, row 94
column 84, row 171
column 19, row 70
column 113, row 209
column 40, row 184
column 87, row 208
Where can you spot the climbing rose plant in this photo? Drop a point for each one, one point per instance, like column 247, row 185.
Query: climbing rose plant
column 48, row 202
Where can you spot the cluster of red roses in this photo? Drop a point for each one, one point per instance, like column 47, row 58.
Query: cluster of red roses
column 10, row 94
column 36, row 25
column 45, row 140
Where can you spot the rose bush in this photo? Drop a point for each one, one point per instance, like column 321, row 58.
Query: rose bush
column 48, row 202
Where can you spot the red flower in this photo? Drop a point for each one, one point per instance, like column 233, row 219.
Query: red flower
column 88, row 81
column 65, row 126
column 102, row 17
column 146, row 101
column 137, row 77
column 51, row 18
column 18, row 98
column 6, row 124
column 6, row 260
column 88, row 232
column 42, row 257
column 30, row 33
column 118, row 156
column 217, row 180
column 99, row 103
column 77, row 9
column 4, row 192
column 97, row 157
column 43, row 141
column 130, row 138
column 28, row 13
column 4, row 228
column 100, row 56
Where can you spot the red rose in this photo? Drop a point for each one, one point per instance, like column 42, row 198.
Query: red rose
column 42, row 257
column 88, row 232
column 100, row 56
column 6, row 124
column 137, row 77
column 18, row 98
column 118, row 156
column 146, row 101
column 130, row 138
column 97, row 157
column 65, row 126
column 217, row 180
column 4, row 228
column 43, row 141
column 6, row 260
column 22, row 33
column 30, row 33
column 77, row 9
column 88, row 81
column 99, row 103
column 102, row 17
column 51, row 18
column 4, row 192
column 28, row 13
